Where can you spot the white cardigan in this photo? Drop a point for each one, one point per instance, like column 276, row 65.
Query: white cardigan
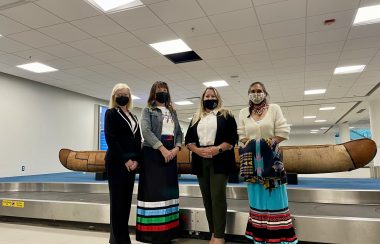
column 272, row 124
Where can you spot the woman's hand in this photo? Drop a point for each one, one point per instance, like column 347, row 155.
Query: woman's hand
column 174, row 152
column 213, row 151
column 165, row 153
column 129, row 165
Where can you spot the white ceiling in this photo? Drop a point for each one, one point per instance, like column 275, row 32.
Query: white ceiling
column 282, row 43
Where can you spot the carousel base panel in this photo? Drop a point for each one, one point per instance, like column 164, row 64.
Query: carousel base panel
column 322, row 215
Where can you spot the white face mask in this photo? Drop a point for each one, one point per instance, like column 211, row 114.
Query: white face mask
column 257, row 98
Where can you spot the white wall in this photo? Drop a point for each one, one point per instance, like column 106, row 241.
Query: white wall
column 38, row 120
column 309, row 139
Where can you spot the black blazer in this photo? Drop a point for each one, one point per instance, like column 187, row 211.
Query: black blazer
column 224, row 163
column 123, row 143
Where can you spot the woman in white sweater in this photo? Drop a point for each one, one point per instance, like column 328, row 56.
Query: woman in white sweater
column 261, row 127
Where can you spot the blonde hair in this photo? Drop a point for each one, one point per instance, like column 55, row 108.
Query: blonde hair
column 116, row 88
column 201, row 111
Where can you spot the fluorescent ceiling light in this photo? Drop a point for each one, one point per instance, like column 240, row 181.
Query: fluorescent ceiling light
column 313, row 132
column 320, row 120
column 190, row 118
column 170, row 47
column 217, row 83
column 327, row 108
column 367, row 15
column 310, row 117
column 115, row 5
column 135, row 97
column 37, row 67
column 314, row 92
column 184, row 102
column 1, row 35
column 324, row 128
column 351, row 127
column 349, row 69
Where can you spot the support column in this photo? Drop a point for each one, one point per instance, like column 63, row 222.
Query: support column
column 374, row 119
column 344, row 132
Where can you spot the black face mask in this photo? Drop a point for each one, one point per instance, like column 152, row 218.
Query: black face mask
column 122, row 100
column 210, row 104
column 162, row 97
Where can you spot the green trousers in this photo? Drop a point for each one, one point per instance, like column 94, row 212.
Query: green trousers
column 213, row 188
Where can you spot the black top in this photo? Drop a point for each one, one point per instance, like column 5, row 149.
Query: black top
column 224, row 163
column 123, row 142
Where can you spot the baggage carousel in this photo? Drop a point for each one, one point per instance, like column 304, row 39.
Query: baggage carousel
column 322, row 215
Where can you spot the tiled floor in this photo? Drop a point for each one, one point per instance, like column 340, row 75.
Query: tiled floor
column 12, row 233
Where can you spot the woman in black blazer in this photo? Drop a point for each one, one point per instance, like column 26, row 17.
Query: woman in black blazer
column 123, row 138
column 211, row 137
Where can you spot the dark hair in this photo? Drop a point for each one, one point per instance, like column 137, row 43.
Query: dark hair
column 251, row 104
column 152, row 95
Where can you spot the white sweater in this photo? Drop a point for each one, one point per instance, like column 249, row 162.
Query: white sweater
column 272, row 124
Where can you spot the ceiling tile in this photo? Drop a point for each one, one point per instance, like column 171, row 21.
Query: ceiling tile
column 140, row 52
column 31, row 15
column 98, row 26
column 281, row 11
column 203, row 42
column 155, row 34
column 363, row 31
column 286, row 42
column 69, row 9
column 177, row 10
column 12, row 60
column 221, row 6
column 10, row 46
column 284, row 28
column 136, row 18
column 318, row 7
column 342, row 19
column 111, row 56
column 85, row 60
column 324, row 48
column 9, row 26
column 333, row 35
column 249, row 47
column 35, row 55
column 234, row 20
column 34, row 38
column 64, row 32
column 194, row 27
column 121, row 40
column 216, row 52
column 90, row 46
column 63, row 51
column 248, row 34
column 361, row 43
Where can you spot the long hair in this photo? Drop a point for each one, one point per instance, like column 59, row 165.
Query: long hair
column 201, row 111
column 117, row 87
column 152, row 95
column 266, row 100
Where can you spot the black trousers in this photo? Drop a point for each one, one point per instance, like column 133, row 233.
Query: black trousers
column 120, row 184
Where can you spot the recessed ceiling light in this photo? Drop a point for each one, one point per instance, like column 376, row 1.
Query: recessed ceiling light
column 217, row 83
column 314, row 92
column 313, row 132
column 327, row 108
column 170, row 47
column 1, row 35
column 310, row 117
column 349, row 69
column 190, row 118
column 115, row 5
column 316, row 130
column 367, row 15
column 184, row 102
column 37, row 67
column 320, row 120
column 135, row 97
